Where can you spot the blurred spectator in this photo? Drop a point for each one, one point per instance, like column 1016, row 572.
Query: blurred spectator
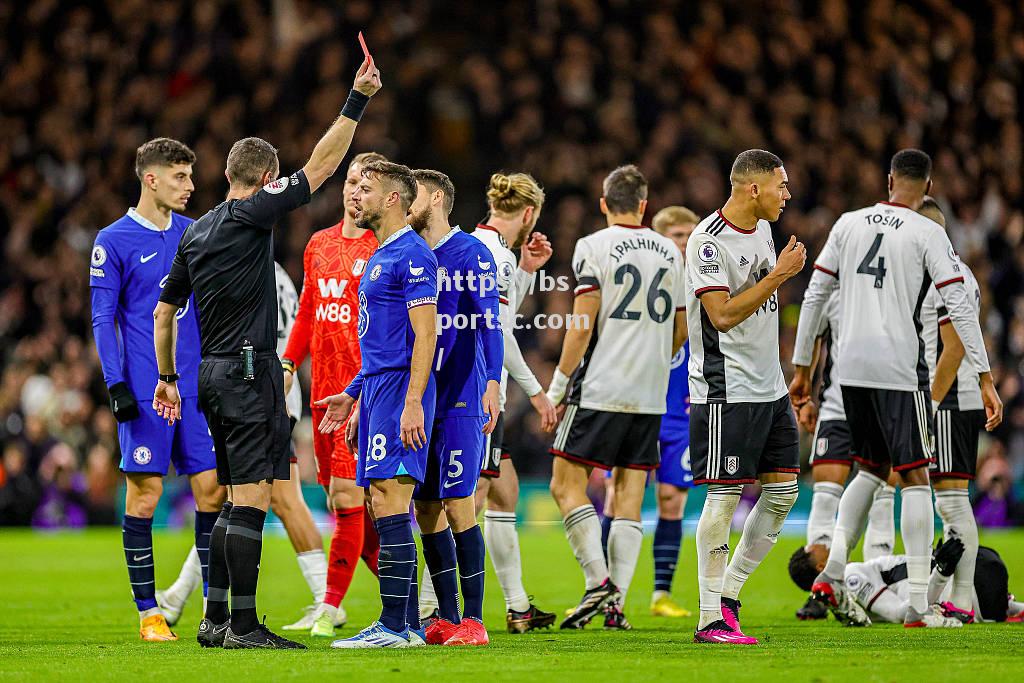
column 995, row 504
column 564, row 89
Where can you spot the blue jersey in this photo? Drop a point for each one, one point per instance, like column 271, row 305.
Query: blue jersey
column 130, row 262
column 469, row 344
column 677, row 413
column 401, row 275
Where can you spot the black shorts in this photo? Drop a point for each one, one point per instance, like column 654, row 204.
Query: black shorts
column 956, row 443
column 602, row 439
column 890, row 426
column 293, row 457
column 733, row 443
column 832, row 444
column 495, row 450
column 247, row 419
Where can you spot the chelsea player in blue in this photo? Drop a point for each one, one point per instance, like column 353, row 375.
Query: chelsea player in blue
column 467, row 367
column 395, row 389
column 130, row 261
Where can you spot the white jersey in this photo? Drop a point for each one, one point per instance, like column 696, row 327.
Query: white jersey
column 965, row 394
column 513, row 285
column 741, row 365
column 642, row 282
column 881, row 587
column 885, row 258
column 831, row 397
column 287, row 308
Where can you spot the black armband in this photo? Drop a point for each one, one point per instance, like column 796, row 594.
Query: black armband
column 355, row 105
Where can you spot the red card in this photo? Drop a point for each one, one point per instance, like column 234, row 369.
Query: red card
column 366, row 50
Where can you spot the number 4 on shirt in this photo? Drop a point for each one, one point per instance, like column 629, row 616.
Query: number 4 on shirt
column 878, row 271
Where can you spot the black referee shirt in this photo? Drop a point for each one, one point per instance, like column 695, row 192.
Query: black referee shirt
column 227, row 258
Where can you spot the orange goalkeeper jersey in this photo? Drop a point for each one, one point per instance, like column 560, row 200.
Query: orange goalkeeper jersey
column 325, row 326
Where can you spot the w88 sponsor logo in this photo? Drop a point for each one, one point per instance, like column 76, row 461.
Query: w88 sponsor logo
column 334, row 312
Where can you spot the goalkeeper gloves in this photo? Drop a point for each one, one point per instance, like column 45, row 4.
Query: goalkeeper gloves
column 947, row 556
column 122, row 403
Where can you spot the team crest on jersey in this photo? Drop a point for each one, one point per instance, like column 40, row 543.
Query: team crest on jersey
column 822, row 447
column 358, row 266
column 853, row 582
column 99, row 256
column 142, row 455
column 506, row 270
column 708, row 252
column 732, row 464
column 375, row 273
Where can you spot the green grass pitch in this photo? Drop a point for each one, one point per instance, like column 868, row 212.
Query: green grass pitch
column 66, row 613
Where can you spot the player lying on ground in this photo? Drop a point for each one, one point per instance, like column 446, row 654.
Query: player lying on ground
column 514, row 201
column 674, row 476
column 334, row 263
column 226, row 259
column 886, row 257
column 396, row 392
column 742, row 428
column 878, row 590
column 467, row 370
column 619, row 384
column 130, row 260
column 286, row 500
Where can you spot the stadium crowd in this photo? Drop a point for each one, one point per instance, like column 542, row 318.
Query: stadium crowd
column 566, row 90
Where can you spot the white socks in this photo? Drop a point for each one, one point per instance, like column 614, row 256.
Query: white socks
column 880, row 538
column 502, row 541
column 583, row 529
column 713, row 548
column 760, row 532
column 954, row 508
column 824, row 505
column 624, row 541
column 190, row 577
column 313, row 564
column 853, row 510
column 428, row 598
column 917, row 526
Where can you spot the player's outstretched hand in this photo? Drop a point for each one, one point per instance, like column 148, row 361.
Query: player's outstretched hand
column 791, row 260
column 546, row 409
column 167, row 402
column 535, row 253
column 352, row 431
column 807, row 416
column 993, row 404
column 338, row 408
column 414, row 434
column 367, row 78
column 800, row 387
column 490, row 402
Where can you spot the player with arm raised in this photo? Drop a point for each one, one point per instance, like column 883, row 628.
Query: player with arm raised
column 515, row 201
column 395, row 389
column 467, row 368
column 959, row 420
column 226, row 258
column 630, row 297
column 130, row 260
column 742, row 428
column 884, row 258
column 325, row 330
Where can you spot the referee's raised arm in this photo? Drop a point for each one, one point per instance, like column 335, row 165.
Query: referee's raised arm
column 333, row 146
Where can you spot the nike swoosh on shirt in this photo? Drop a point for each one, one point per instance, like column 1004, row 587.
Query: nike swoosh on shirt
column 139, row 558
column 449, row 484
column 415, row 271
column 144, row 259
column 370, row 467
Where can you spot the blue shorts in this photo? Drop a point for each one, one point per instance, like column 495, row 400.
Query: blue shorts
column 674, row 441
column 149, row 445
column 457, row 449
column 381, row 453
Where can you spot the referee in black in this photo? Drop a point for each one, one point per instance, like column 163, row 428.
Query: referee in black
column 226, row 259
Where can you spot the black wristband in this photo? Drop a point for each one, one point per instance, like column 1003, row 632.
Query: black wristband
column 355, row 105
column 169, row 379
